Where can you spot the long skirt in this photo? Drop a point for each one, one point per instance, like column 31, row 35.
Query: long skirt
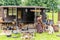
column 39, row 28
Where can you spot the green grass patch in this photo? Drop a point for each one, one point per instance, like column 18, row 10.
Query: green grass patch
column 42, row 36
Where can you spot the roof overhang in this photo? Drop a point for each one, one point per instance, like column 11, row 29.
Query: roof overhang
column 25, row 7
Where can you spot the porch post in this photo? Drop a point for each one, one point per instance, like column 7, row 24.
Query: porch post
column 16, row 19
column 35, row 16
column 53, row 16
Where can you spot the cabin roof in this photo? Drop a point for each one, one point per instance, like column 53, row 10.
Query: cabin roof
column 25, row 7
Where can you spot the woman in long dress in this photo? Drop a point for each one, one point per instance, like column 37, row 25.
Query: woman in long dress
column 39, row 25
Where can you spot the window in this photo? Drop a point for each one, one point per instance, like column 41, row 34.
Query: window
column 12, row 11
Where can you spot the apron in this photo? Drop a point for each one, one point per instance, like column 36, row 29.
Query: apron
column 39, row 28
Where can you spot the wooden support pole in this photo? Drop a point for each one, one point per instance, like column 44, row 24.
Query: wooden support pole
column 35, row 16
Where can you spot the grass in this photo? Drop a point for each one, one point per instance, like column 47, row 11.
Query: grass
column 46, row 36
column 42, row 36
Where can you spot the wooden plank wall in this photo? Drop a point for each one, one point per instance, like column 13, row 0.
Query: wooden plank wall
column 1, row 12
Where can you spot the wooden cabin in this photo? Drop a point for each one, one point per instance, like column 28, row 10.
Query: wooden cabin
column 21, row 14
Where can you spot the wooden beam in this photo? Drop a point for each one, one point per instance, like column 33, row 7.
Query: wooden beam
column 35, row 10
